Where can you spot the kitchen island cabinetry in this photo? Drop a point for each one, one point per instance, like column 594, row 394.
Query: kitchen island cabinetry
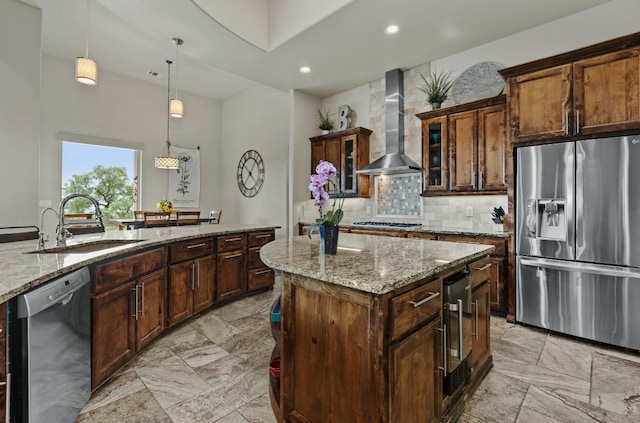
column 364, row 375
column 481, row 309
column 464, row 147
column 348, row 151
column 594, row 90
column 191, row 279
column 231, row 273
column 128, row 306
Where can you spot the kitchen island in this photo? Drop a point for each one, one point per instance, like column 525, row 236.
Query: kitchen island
column 362, row 335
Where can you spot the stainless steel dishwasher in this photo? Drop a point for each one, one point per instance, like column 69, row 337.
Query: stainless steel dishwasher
column 51, row 350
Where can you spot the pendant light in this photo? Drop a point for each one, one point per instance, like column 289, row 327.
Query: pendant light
column 166, row 159
column 86, row 69
column 176, row 108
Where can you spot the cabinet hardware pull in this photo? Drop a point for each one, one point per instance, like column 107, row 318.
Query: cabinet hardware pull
column 431, row 296
column 198, row 279
column 8, row 399
column 233, row 239
column 460, row 348
column 565, row 124
column 193, row 275
column 263, row 236
column 233, row 256
column 263, row 271
column 196, row 245
column 444, row 349
column 577, row 121
column 475, row 304
column 142, row 311
column 486, row 266
column 135, row 310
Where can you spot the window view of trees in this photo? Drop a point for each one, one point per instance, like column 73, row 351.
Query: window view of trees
column 109, row 185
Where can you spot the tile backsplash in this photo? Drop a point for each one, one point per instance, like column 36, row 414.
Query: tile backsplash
column 398, row 196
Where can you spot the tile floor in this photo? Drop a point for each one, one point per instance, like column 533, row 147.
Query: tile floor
column 213, row 369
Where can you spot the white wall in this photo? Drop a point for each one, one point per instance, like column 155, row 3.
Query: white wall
column 19, row 111
column 257, row 119
column 130, row 110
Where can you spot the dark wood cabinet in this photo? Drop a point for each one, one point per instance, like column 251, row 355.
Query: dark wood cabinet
column 231, row 273
column 191, row 279
column 348, row 151
column 259, row 275
column 481, row 323
column 128, row 304
column 464, row 147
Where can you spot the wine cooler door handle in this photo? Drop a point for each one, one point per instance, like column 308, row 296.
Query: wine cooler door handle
column 460, row 329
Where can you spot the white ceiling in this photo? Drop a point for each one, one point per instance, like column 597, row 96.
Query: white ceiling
column 345, row 49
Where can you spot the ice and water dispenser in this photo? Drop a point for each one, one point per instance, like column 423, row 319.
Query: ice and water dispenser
column 547, row 219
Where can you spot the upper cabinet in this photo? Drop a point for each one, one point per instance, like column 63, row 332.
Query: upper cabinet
column 348, row 151
column 464, row 147
column 595, row 90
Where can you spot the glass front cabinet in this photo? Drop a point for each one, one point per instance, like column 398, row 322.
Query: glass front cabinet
column 435, row 153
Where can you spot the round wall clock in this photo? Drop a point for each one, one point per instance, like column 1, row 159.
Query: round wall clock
column 250, row 173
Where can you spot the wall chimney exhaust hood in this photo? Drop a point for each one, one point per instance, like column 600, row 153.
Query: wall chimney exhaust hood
column 394, row 161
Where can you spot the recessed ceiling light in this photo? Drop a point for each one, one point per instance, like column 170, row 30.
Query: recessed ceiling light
column 305, row 69
column 391, row 29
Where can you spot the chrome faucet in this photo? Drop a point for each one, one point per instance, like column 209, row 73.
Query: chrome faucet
column 41, row 235
column 61, row 238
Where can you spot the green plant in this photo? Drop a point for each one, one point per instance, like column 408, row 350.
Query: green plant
column 437, row 86
column 325, row 119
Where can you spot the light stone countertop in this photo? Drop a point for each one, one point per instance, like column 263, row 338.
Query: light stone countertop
column 426, row 229
column 21, row 271
column 369, row 263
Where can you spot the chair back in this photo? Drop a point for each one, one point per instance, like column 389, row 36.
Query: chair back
column 187, row 217
column 18, row 233
column 153, row 219
column 138, row 215
column 82, row 223
column 214, row 216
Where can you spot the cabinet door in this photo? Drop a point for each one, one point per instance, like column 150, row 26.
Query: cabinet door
column 113, row 333
column 540, row 104
column 498, row 284
column 150, row 321
column 230, row 275
column 204, row 283
column 349, row 157
column 416, row 399
column 180, row 292
column 607, row 93
column 332, row 154
column 492, row 149
column 435, row 154
column 464, row 150
column 481, row 344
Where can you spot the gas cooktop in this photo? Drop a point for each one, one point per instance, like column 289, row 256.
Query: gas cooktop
column 389, row 224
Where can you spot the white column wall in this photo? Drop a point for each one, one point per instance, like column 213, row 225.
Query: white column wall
column 20, row 55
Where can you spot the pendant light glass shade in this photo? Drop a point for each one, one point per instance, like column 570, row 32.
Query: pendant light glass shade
column 86, row 71
column 176, row 108
column 166, row 159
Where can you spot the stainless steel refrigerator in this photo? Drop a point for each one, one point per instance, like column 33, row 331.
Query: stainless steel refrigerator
column 578, row 238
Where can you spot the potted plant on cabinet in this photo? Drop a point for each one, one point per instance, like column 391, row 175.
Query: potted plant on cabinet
column 437, row 87
column 325, row 120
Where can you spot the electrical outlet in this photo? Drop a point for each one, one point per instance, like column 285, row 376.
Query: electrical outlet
column 368, row 209
column 469, row 211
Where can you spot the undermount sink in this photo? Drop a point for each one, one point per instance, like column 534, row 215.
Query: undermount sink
column 86, row 247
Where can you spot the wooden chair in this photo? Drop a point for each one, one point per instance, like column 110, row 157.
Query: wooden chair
column 18, row 233
column 153, row 219
column 214, row 216
column 187, row 218
column 138, row 215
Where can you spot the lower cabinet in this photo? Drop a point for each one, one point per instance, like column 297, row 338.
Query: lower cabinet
column 259, row 275
column 125, row 319
column 481, row 341
column 417, row 399
column 231, row 274
column 190, row 288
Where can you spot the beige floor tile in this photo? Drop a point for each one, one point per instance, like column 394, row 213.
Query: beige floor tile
column 172, row 384
column 117, row 388
column 616, row 385
column 234, row 417
column 567, row 356
column 497, row 399
column 139, row 407
column 258, row 410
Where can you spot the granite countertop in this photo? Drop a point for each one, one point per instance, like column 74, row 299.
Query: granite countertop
column 373, row 264
column 21, row 270
column 426, row 229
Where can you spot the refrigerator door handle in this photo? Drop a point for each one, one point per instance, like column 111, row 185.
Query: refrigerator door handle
column 570, row 266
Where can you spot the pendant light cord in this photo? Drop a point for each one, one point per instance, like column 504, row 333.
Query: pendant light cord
column 87, row 31
column 168, row 100
column 178, row 42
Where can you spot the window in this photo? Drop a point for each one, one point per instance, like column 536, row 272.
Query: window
column 103, row 168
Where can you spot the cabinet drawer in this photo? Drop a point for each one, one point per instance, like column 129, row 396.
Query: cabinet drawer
column 261, row 238
column 230, row 243
column 480, row 271
column 415, row 307
column 261, row 278
column 190, row 249
column 253, row 261
column 114, row 273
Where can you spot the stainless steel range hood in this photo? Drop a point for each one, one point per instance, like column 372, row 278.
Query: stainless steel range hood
column 394, row 161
